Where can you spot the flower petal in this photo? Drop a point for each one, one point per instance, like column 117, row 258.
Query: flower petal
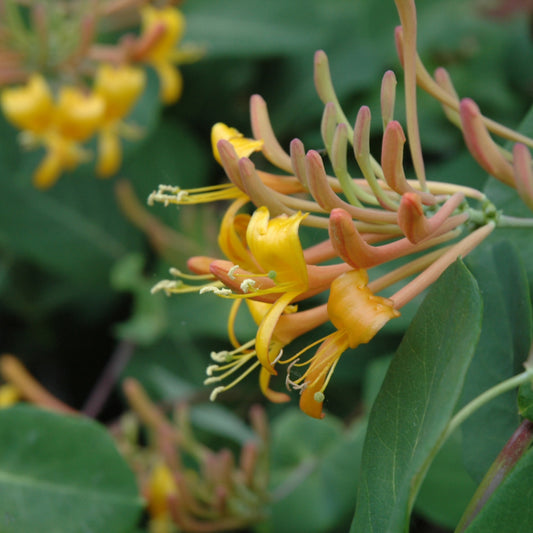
column 265, row 331
column 276, row 246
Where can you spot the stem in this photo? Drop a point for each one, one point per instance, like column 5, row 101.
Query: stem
column 511, row 453
column 108, row 379
column 459, row 418
column 488, row 395
column 13, row 371
column 505, row 221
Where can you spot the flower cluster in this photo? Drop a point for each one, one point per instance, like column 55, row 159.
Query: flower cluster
column 373, row 219
column 185, row 483
column 69, row 84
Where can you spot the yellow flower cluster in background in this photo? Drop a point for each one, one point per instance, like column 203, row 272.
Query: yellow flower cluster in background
column 86, row 89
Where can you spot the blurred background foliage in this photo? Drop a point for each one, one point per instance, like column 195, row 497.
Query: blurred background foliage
column 77, row 262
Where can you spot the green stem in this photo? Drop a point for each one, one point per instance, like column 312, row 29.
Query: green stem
column 486, row 397
column 511, row 453
column 505, row 221
column 461, row 416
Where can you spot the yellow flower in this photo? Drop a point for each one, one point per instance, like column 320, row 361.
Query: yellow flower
column 275, row 246
column 358, row 315
column 243, row 146
column 61, row 154
column 162, row 29
column 60, row 126
column 77, row 114
column 74, row 119
column 9, row 395
column 120, row 88
column 271, row 249
column 29, row 107
column 160, row 487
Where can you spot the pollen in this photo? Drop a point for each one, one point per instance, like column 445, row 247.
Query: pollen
column 248, row 285
column 217, row 290
column 231, row 271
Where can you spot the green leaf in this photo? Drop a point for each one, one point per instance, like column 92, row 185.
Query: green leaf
column 148, row 320
column 253, row 27
column 315, row 466
column 416, row 401
column 503, row 347
column 510, row 508
column 219, row 420
column 447, row 488
column 62, row 474
column 507, row 200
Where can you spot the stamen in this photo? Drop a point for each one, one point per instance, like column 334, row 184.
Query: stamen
column 166, row 285
column 169, row 194
column 326, row 381
column 278, row 357
column 233, row 366
column 225, row 356
column 231, row 271
column 215, row 392
column 221, row 357
column 179, row 274
column 217, row 290
column 291, row 384
column 248, row 285
column 294, row 359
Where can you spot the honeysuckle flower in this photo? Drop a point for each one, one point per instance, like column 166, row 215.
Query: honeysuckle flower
column 291, row 325
column 187, row 485
column 242, row 145
column 59, row 125
column 29, row 107
column 275, row 246
column 120, row 88
column 161, row 486
column 372, row 220
column 228, row 191
column 162, row 30
column 39, row 41
column 358, row 315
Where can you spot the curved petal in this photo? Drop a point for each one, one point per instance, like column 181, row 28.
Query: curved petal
column 273, row 396
column 266, row 329
column 355, row 309
column 170, row 81
column 243, row 146
column 276, row 246
column 231, row 237
column 109, row 153
column 321, row 366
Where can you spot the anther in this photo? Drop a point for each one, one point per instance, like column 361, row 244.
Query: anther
column 215, row 392
column 247, row 285
column 231, row 271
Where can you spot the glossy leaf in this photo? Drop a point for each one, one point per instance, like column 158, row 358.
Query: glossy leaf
column 315, row 468
column 416, row 401
column 503, row 347
column 148, row 319
column 447, row 488
column 63, row 474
